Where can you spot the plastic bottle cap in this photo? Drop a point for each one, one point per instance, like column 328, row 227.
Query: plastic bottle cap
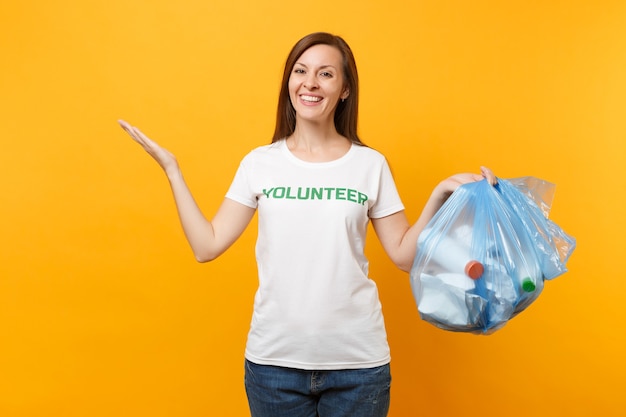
column 474, row 269
column 528, row 285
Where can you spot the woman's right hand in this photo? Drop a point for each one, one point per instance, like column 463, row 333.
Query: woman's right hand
column 164, row 158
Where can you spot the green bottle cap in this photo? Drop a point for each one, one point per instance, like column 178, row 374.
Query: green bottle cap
column 528, row 285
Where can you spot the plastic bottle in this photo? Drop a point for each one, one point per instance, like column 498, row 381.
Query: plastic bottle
column 455, row 257
column 528, row 272
column 457, row 280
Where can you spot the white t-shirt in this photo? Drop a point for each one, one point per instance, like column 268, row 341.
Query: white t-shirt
column 315, row 307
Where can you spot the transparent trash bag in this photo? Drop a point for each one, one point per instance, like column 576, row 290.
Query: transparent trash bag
column 484, row 256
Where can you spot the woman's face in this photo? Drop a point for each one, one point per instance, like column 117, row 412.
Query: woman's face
column 316, row 83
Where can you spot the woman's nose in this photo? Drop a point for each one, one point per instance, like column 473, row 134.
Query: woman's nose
column 310, row 82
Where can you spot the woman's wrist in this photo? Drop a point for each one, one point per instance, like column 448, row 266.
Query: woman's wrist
column 442, row 191
column 173, row 172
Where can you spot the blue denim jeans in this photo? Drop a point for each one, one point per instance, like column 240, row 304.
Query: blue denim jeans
column 285, row 392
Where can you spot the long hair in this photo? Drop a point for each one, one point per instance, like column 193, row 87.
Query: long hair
column 347, row 110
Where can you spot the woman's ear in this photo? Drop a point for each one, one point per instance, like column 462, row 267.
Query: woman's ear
column 345, row 94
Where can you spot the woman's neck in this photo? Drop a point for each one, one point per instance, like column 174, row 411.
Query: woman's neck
column 315, row 143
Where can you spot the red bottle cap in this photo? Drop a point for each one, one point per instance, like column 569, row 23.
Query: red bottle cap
column 474, row 269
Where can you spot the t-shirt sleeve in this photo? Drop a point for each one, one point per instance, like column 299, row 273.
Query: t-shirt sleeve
column 240, row 189
column 388, row 201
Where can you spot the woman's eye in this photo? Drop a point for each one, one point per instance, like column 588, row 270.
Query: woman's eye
column 326, row 74
column 298, row 71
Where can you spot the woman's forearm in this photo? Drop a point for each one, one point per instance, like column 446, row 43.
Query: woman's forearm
column 198, row 230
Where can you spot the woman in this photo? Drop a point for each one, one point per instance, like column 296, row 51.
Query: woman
column 317, row 344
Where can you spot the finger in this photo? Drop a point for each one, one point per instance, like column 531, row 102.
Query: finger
column 142, row 138
column 125, row 125
column 128, row 128
column 489, row 175
column 139, row 133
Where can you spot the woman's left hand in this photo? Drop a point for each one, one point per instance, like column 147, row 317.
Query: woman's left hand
column 450, row 184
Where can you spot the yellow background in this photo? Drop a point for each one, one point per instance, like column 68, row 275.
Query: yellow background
column 104, row 312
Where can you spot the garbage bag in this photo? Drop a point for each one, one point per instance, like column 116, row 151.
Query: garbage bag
column 483, row 258
column 531, row 199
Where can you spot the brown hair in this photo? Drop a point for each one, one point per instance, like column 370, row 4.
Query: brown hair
column 346, row 112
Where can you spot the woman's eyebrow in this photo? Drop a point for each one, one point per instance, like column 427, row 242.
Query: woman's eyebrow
column 321, row 67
